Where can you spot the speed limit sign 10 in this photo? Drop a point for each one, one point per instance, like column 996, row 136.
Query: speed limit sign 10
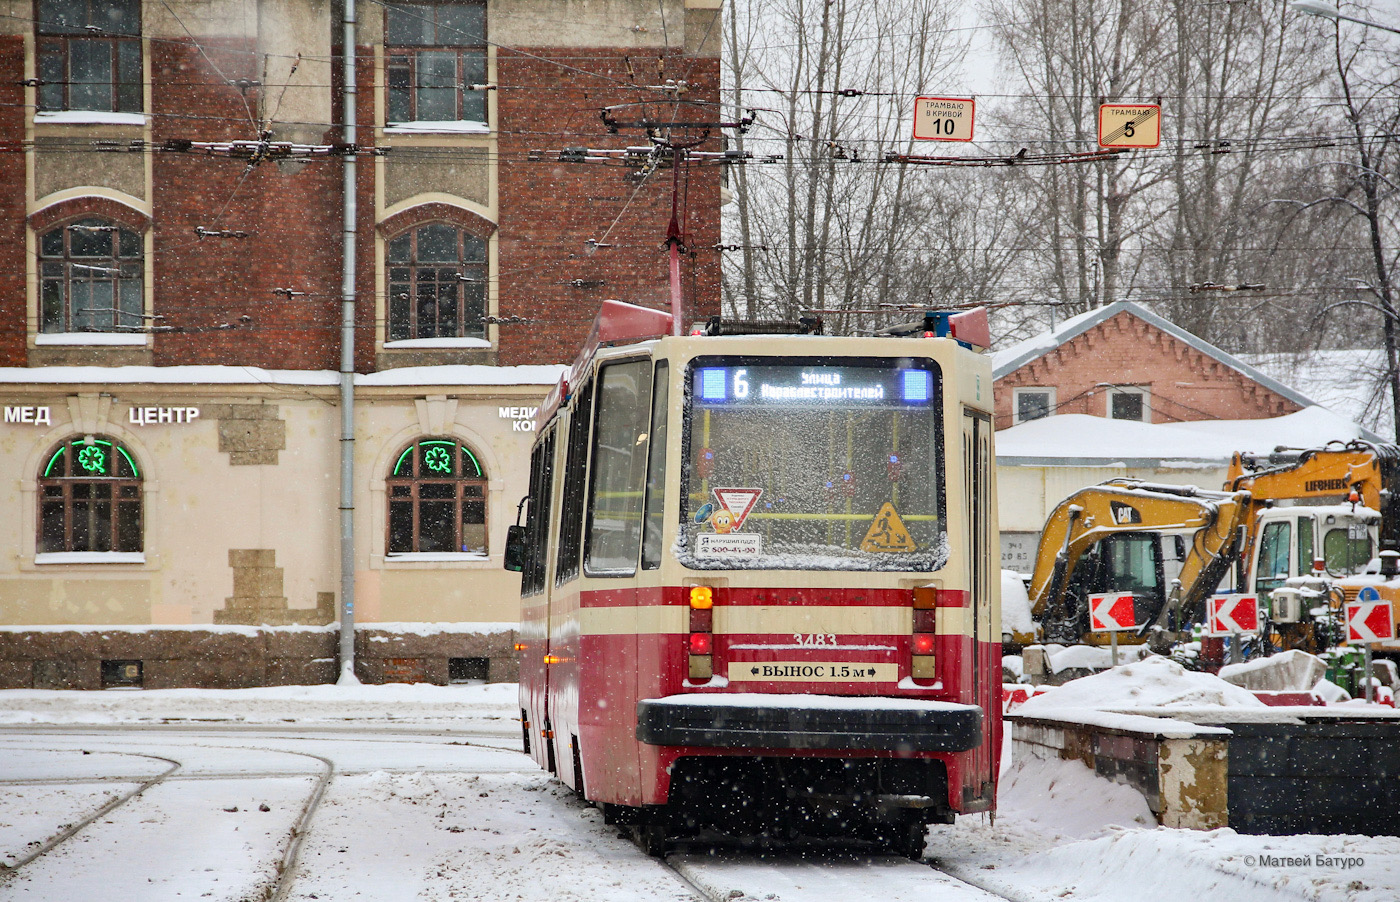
column 1130, row 125
column 943, row 118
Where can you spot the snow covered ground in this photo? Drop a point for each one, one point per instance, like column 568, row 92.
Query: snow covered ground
column 431, row 799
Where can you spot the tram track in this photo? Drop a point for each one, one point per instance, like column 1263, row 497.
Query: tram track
column 8, row 871
column 275, row 889
column 817, row 876
column 286, row 868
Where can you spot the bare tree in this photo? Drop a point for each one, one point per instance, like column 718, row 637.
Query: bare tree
column 1070, row 56
column 832, row 225
column 1237, row 71
column 1363, row 186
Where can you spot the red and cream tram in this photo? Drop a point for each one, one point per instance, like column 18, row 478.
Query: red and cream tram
column 758, row 587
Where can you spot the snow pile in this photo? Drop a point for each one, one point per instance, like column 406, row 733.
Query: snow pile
column 1152, row 683
column 1291, row 671
column 1086, row 657
column 1050, row 794
column 1015, row 604
column 1330, row 692
column 1351, row 382
column 1189, row 866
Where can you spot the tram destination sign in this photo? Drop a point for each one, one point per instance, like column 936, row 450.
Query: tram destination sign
column 812, row 385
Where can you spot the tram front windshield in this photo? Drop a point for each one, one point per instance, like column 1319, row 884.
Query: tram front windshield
column 813, row 464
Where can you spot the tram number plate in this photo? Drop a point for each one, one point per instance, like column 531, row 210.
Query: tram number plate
column 811, row 671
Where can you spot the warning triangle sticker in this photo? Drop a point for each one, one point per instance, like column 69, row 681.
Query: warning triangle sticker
column 887, row 533
column 738, row 502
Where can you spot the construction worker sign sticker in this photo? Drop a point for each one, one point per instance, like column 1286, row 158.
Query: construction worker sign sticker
column 888, row 533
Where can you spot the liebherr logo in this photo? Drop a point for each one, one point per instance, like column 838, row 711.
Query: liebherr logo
column 1325, row 485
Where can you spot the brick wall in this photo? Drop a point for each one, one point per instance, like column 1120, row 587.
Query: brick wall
column 290, row 212
column 12, row 113
column 1183, row 383
column 550, row 209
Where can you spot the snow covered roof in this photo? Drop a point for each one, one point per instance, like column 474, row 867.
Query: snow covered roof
column 1079, row 440
column 251, row 375
column 1350, row 381
column 1018, row 355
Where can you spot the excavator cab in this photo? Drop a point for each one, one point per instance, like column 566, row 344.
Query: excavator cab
column 1293, row 540
column 1120, row 562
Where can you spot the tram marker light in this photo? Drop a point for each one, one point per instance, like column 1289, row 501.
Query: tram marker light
column 925, row 620
column 701, row 643
column 702, row 598
column 917, row 385
column 924, row 667
column 701, row 620
column 520, row 646
column 923, row 643
column 701, row 667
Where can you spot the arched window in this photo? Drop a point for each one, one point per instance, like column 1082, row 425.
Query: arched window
column 437, row 499
column 437, row 283
column 90, row 278
column 90, row 498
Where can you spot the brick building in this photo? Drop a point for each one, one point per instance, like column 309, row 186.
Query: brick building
column 1124, row 362
column 172, row 195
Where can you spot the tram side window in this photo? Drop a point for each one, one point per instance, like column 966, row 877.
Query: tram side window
column 656, row 470
column 537, row 520
column 619, row 468
column 571, row 505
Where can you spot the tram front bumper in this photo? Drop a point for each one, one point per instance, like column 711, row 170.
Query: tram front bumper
column 826, row 722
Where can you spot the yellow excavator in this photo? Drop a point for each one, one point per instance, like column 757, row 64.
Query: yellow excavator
column 1109, row 538
column 1303, row 526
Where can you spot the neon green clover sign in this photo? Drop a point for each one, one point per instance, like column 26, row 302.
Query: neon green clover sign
column 438, row 459
column 91, row 459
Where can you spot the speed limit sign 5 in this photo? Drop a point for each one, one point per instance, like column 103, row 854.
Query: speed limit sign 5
column 1130, row 125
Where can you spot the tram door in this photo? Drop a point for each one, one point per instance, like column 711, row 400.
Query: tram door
column 977, row 484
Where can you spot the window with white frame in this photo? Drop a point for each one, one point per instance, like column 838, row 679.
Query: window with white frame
column 89, row 55
column 436, row 61
column 1033, row 403
column 1130, row 402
